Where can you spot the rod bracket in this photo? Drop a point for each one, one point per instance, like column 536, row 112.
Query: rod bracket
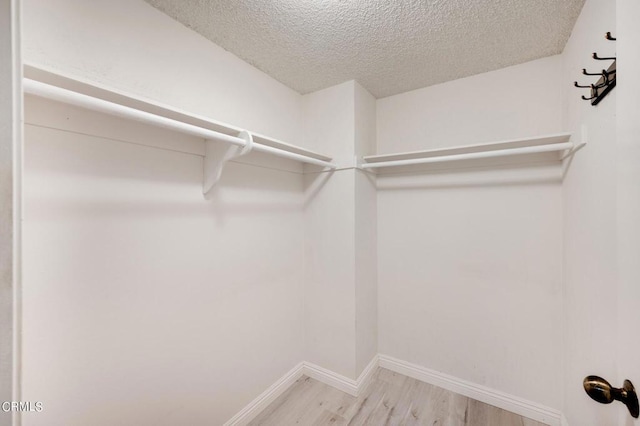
column 577, row 146
column 217, row 154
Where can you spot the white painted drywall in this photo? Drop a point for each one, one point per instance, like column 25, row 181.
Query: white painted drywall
column 365, row 121
column 470, row 259
column 628, row 202
column 10, row 189
column 329, row 122
column 329, row 233
column 133, row 47
column 340, row 240
column 144, row 303
column 136, row 288
column 366, row 230
column 366, row 269
column 330, row 327
column 589, row 202
column 523, row 100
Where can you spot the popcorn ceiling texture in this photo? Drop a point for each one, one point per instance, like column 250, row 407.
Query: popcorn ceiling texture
column 388, row 46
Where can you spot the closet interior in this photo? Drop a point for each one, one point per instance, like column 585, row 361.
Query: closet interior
column 199, row 237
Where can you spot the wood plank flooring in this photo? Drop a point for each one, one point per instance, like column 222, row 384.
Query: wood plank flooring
column 390, row 399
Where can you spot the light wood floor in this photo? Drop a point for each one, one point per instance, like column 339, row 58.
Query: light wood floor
column 390, row 399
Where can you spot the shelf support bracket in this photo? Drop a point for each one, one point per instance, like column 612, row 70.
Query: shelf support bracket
column 568, row 153
column 576, row 146
column 217, row 154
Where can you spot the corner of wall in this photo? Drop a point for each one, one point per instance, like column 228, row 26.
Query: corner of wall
column 341, row 219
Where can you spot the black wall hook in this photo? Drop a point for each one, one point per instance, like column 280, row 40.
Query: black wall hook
column 598, row 58
column 607, row 80
column 584, row 72
column 593, row 87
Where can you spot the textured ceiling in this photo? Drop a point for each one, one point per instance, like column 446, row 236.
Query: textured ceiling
column 389, row 46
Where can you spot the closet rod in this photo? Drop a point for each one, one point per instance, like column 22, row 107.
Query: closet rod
column 58, row 94
column 474, row 155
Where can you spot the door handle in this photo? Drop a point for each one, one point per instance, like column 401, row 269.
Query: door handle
column 600, row 390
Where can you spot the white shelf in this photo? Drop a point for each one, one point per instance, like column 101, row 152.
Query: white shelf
column 97, row 91
column 48, row 84
column 560, row 142
column 237, row 142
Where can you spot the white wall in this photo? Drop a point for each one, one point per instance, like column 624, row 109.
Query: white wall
column 329, row 224
column 131, row 46
column 330, row 296
column 329, row 121
column 366, row 230
column 143, row 302
column 341, row 274
column 330, row 326
column 365, row 121
column 514, row 102
column 10, row 172
column 628, row 129
column 470, row 259
column 589, row 200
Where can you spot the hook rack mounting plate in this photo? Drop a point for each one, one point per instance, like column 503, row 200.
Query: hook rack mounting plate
column 605, row 87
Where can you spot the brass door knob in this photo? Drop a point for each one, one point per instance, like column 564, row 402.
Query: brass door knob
column 600, row 390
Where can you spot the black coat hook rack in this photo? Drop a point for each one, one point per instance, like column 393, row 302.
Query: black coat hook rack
column 607, row 80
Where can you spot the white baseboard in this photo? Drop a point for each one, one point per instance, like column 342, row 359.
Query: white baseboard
column 481, row 393
column 330, row 378
column 338, row 381
column 367, row 374
column 256, row 406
